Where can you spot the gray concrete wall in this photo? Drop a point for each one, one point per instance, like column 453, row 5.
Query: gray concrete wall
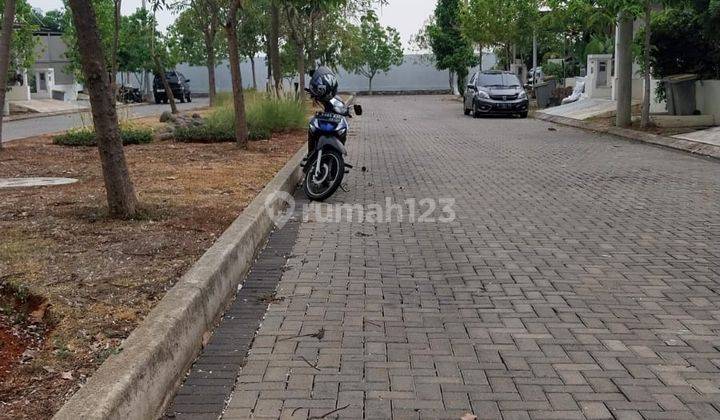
column 50, row 53
column 416, row 73
column 707, row 94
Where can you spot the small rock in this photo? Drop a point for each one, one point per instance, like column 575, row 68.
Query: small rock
column 67, row 376
column 166, row 116
column 27, row 356
column 196, row 115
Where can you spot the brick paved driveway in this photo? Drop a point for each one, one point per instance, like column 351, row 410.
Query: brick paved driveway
column 581, row 279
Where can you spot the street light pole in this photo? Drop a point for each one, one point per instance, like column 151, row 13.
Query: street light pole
column 534, row 55
column 146, row 78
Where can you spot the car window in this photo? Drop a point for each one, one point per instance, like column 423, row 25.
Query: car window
column 498, row 79
column 472, row 79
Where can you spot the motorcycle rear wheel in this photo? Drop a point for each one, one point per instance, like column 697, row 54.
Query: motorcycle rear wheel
column 330, row 178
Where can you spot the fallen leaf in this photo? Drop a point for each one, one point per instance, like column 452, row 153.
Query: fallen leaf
column 468, row 416
column 67, row 376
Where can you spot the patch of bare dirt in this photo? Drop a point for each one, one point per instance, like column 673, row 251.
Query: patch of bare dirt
column 96, row 278
column 661, row 131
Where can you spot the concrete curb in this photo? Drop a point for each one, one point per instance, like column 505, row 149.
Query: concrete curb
column 138, row 382
column 35, row 115
column 694, row 147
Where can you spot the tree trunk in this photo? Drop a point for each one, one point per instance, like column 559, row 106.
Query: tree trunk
column 168, row 91
column 241, row 128
column 274, row 47
column 254, row 76
column 269, row 83
column 623, row 60
column 461, row 81
column 300, row 66
column 210, row 48
column 370, row 89
column 5, row 44
column 115, row 48
column 645, row 118
column 122, row 201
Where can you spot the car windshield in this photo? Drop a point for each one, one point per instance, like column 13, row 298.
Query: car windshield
column 498, row 80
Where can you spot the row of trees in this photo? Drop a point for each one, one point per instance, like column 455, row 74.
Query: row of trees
column 572, row 29
column 296, row 35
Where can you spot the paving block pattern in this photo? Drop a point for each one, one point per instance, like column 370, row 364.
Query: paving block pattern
column 211, row 379
column 579, row 280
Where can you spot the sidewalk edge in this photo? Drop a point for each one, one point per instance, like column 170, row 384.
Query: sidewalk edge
column 138, row 382
column 690, row 146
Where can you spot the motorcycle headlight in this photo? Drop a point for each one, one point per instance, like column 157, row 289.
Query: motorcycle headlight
column 482, row 94
column 522, row 95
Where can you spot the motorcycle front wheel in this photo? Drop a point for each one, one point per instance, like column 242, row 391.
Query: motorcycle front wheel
column 319, row 185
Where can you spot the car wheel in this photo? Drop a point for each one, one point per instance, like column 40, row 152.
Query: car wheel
column 157, row 100
column 182, row 97
column 523, row 114
column 165, row 100
column 189, row 98
column 465, row 110
column 475, row 112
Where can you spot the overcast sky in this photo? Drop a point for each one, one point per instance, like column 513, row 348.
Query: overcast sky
column 405, row 15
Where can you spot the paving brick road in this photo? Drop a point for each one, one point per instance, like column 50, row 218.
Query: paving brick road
column 580, row 279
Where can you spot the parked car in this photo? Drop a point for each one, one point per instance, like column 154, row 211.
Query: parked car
column 495, row 92
column 536, row 76
column 178, row 83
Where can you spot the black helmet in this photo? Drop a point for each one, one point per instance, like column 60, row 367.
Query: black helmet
column 323, row 85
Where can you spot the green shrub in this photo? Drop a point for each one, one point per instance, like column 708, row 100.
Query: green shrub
column 86, row 136
column 553, row 69
column 76, row 137
column 276, row 115
column 136, row 135
column 265, row 116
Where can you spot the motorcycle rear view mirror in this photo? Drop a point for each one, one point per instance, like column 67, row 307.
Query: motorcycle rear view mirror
column 358, row 109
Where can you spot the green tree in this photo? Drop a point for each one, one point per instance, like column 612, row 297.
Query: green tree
column 253, row 25
column 199, row 16
column 500, row 23
column 135, row 42
column 452, row 51
column 17, row 44
column 53, row 20
column 627, row 10
column 104, row 12
column 187, row 46
column 302, row 18
column 231, row 24
column 370, row 48
column 122, row 201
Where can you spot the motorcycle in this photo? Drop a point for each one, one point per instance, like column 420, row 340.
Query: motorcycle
column 129, row 94
column 325, row 165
